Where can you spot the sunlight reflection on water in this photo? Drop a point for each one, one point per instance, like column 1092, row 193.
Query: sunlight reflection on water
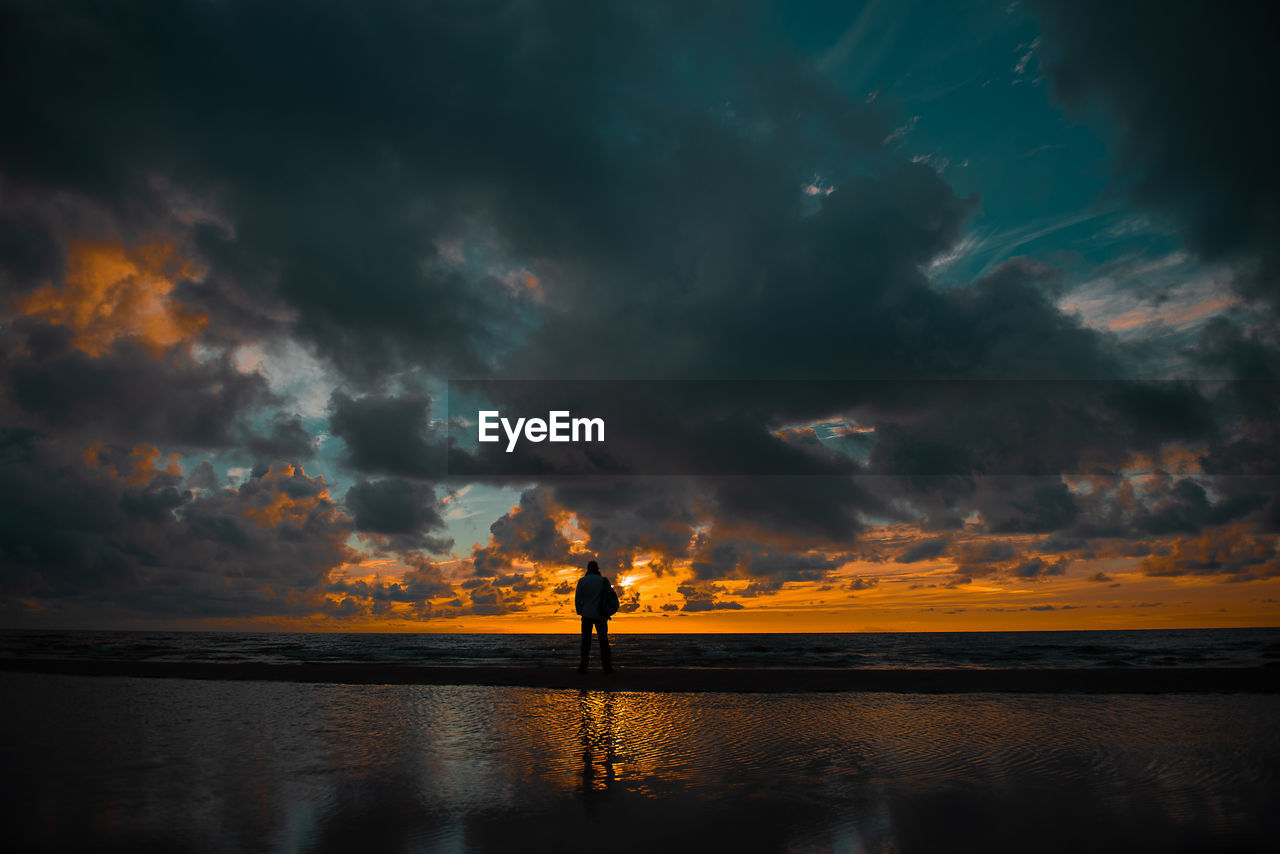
column 128, row 763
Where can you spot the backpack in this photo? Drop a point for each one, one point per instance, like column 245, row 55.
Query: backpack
column 608, row 600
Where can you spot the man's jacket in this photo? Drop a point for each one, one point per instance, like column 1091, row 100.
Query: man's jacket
column 589, row 596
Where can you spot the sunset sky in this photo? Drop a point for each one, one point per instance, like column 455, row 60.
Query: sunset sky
column 1008, row 272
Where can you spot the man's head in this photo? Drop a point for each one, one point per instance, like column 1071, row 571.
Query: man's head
column 594, row 567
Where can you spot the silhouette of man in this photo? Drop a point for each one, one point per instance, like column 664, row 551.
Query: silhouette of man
column 587, row 601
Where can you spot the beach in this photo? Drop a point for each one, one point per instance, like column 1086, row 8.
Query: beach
column 117, row 762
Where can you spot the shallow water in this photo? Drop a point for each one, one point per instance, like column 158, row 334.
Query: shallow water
column 118, row 763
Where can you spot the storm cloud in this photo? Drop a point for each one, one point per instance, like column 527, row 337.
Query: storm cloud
column 617, row 193
column 1182, row 84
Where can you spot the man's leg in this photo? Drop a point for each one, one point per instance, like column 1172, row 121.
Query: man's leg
column 602, row 629
column 586, row 643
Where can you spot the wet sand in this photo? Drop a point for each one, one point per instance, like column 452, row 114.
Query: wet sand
column 129, row 764
column 1082, row 680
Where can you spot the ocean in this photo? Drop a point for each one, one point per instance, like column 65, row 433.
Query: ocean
column 1254, row 647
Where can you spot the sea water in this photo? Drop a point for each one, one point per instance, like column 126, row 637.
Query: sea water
column 891, row 650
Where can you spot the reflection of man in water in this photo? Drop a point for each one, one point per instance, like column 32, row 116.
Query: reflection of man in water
column 598, row 734
column 588, row 602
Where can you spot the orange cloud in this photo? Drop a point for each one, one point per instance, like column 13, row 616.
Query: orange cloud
column 280, row 506
column 1176, row 315
column 797, row 435
column 113, row 292
column 1229, row 553
column 143, row 463
column 93, row 454
column 144, row 459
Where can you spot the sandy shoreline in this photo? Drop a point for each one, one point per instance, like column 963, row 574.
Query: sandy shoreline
column 1078, row 680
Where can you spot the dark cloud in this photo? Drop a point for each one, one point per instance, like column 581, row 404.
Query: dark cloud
column 1047, row 508
column 531, row 532
column 29, row 250
column 659, row 518
column 624, row 517
column 809, row 510
column 331, row 176
column 204, row 477
column 423, row 582
column 1227, row 350
column 684, row 203
column 923, row 550
column 1036, row 568
column 402, row 510
column 1059, row 543
column 518, row 582
column 117, row 527
column 1182, row 85
column 629, row 600
column 1230, row 553
column 811, row 278
column 288, row 528
column 713, row 559
column 488, row 599
column 554, row 134
column 705, row 598
column 616, row 192
column 1184, row 507
column 58, row 525
column 989, row 551
column 770, row 571
column 979, row 559
column 127, row 395
column 387, row 434
column 287, row 439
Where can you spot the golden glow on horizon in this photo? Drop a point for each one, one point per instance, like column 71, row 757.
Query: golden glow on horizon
column 1109, row 592
column 1167, row 582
